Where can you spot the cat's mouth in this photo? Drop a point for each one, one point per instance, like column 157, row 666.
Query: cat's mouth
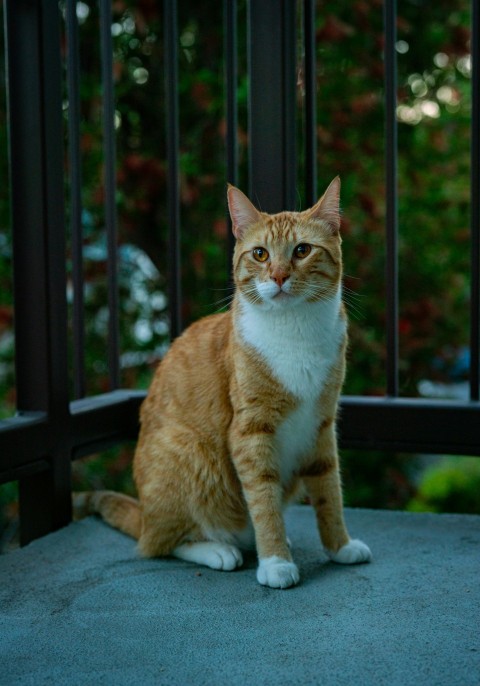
column 276, row 295
column 281, row 295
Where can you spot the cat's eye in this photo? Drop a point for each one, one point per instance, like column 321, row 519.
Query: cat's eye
column 302, row 250
column 260, row 254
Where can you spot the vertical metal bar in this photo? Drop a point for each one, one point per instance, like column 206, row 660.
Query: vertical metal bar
column 475, row 206
column 390, row 17
column 21, row 28
column 73, row 84
column 110, row 188
column 38, row 221
column 289, row 89
column 172, row 133
column 231, row 70
column 310, row 103
column 272, row 131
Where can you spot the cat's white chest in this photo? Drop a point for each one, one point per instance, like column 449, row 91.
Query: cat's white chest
column 300, row 347
column 295, row 437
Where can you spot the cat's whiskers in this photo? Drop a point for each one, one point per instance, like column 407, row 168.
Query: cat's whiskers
column 227, row 299
column 318, row 291
column 353, row 311
column 349, row 298
column 251, row 292
column 220, row 303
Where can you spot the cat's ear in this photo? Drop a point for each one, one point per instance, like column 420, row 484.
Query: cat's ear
column 242, row 212
column 328, row 207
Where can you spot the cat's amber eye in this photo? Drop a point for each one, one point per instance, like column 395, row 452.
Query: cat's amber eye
column 260, row 254
column 302, row 250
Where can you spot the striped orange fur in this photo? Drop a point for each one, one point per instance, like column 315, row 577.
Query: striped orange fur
column 241, row 411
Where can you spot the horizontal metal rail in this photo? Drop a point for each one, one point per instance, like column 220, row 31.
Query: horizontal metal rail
column 28, row 441
column 410, row 425
column 376, row 423
column 104, row 420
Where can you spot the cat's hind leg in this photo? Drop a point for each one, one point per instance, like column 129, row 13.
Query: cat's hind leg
column 222, row 556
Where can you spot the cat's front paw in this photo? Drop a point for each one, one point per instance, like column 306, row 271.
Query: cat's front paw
column 277, row 573
column 352, row 553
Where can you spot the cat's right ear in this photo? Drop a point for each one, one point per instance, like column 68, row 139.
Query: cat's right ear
column 242, row 212
column 328, row 207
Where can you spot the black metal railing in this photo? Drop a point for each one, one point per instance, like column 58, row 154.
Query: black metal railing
column 403, row 424
column 37, row 445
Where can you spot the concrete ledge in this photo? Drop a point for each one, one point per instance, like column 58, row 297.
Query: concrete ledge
column 80, row 607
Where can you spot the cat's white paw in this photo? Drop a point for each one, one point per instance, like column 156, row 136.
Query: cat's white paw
column 277, row 573
column 211, row 554
column 354, row 552
column 225, row 556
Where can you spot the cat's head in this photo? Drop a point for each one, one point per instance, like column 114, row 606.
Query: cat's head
column 284, row 259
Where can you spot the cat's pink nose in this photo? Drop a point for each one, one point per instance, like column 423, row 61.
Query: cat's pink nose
column 280, row 277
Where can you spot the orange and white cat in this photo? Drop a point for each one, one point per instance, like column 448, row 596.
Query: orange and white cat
column 241, row 411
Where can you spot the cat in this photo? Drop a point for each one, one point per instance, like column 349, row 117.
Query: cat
column 241, row 411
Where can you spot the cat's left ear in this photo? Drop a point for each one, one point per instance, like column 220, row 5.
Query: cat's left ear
column 328, row 207
column 242, row 212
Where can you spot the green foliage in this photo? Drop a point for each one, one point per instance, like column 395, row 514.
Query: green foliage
column 110, row 471
column 378, row 480
column 453, row 485
column 434, row 157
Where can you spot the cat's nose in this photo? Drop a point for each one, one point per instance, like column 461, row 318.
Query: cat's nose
column 279, row 277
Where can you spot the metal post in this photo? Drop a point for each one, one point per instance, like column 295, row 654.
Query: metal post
column 231, row 69
column 310, row 104
column 272, row 71
column 73, row 81
column 391, row 197
column 172, row 134
column 36, row 164
column 110, row 190
column 475, row 208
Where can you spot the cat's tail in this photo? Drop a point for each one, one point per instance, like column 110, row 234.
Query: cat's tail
column 119, row 510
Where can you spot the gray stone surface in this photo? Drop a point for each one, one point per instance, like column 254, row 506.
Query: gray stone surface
column 81, row 607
